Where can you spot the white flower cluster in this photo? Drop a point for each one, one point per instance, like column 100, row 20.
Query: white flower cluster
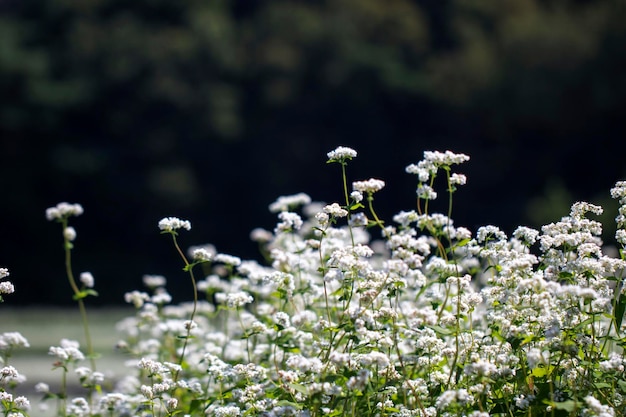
column 63, row 211
column 170, row 224
column 68, row 351
column 6, row 287
column 431, row 163
column 341, row 153
column 289, row 202
column 369, row 186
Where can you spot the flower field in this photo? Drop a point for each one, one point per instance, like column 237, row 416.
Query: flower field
column 354, row 315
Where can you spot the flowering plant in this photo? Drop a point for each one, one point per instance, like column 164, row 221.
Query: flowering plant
column 353, row 316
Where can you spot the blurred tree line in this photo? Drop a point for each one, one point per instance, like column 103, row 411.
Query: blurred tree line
column 208, row 110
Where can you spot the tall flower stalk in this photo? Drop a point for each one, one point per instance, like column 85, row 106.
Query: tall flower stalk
column 61, row 214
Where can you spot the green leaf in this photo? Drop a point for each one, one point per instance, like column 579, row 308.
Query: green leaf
column 569, row 405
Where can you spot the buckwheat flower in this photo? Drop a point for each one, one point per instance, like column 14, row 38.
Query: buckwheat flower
column 6, row 287
column 369, row 186
column 458, row 179
column 619, row 191
column 423, row 170
column 136, row 298
column 63, row 210
column 460, row 396
column 146, row 391
column 171, row 403
column 281, row 319
column 226, row 411
column 335, row 210
column 446, row 158
column 426, row 192
column 201, row 255
column 486, row 233
column 9, row 373
column 21, row 403
column 597, row 408
column 153, row 281
column 290, row 221
column 87, row 279
column 289, row 202
column 83, row 372
column 227, row 259
column 68, row 351
column 359, row 220
column 322, row 218
column 356, row 196
column 42, row 388
column 4, row 272
column 341, row 154
column 620, row 236
column 261, row 235
column 238, row 299
column 69, row 233
column 526, row 234
column 171, row 224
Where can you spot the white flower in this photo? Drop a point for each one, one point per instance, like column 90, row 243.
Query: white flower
column 369, row 186
column 22, row 403
column 227, row 259
column 289, row 202
column 136, row 298
column 69, row 233
column 4, row 272
column 170, row 224
column 445, row 159
column 458, row 179
column 10, row 340
column 68, row 351
column 201, row 255
column 63, row 210
column 261, row 235
column 357, row 196
column 153, row 281
column 426, row 192
column 6, row 287
column 335, row 210
column 290, row 221
column 87, row 279
column 341, row 153
column 42, row 388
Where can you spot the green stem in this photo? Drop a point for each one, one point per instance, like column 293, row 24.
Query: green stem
column 81, row 303
column 345, row 192
column 189, row 268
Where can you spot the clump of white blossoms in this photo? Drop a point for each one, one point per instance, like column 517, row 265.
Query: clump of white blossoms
column 341, row 154
column 6, row 287
column 171, row 224
column 369, row 186
column 63, row 211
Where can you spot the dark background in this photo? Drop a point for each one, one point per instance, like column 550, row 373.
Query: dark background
column 209, row 110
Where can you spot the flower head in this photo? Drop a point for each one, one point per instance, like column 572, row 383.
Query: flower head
column 87, row 279
column 341, row 154
column 171, row 224
column 370, row 186
column 63, row 211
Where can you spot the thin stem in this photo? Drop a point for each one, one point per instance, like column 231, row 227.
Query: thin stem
column 77, row 293
column 189, row 268
column 345, row 192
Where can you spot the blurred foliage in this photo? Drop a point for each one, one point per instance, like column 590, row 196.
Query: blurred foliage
column 145, row 108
